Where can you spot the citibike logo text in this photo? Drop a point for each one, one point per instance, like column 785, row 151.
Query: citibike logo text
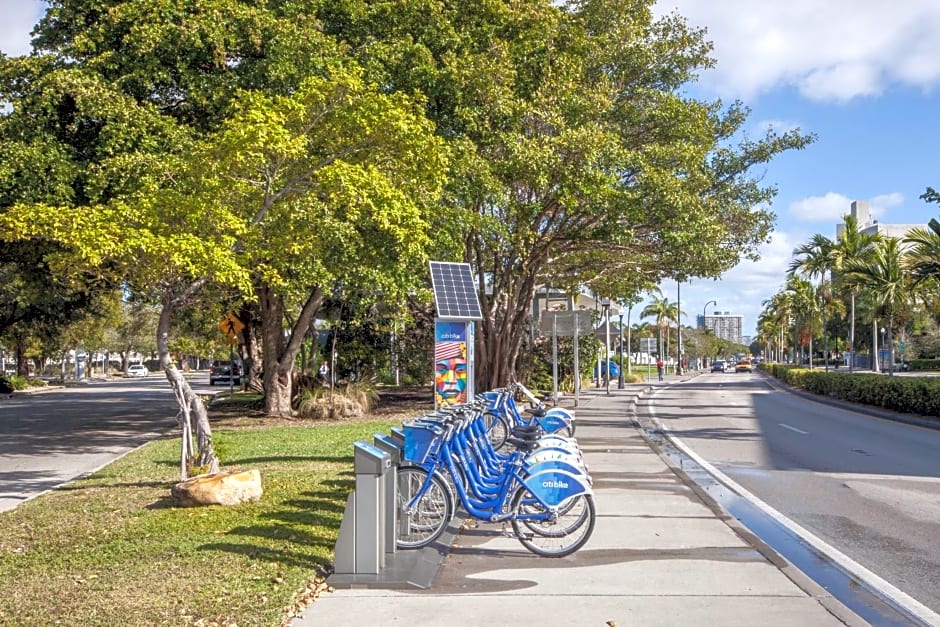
column 554, row 484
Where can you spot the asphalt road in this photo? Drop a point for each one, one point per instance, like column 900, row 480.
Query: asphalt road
column 867, row 486
column 55, row 436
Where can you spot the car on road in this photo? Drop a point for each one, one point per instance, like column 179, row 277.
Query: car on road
column 719, row 365
column 138, row 370
column 227, row 371
column 613, row 369
column 743, row 365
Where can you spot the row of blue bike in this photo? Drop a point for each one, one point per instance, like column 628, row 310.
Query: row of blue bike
column 502, row 467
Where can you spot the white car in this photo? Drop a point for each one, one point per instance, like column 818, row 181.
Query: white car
column 138, row 370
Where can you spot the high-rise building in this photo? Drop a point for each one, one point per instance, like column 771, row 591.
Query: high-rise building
column 724, row 325
column 862, row 213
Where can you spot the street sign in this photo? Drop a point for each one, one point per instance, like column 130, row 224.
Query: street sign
column 648, row 344
column 230, row 325
column 563, row 322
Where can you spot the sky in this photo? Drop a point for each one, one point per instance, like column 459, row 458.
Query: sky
column 862, row 75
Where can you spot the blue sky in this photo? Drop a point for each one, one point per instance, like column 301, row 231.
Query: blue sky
column 863, row 75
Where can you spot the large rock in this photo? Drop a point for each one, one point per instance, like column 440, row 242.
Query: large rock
column 223, row 488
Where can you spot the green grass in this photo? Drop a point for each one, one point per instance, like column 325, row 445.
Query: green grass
column 113, row 550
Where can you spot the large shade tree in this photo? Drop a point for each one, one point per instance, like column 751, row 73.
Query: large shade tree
column 177, row 164
column 579, row 158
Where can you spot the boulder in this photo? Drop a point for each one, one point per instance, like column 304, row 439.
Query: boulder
column 222, row 488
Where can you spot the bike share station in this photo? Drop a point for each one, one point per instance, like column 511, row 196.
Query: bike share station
column 366, row 554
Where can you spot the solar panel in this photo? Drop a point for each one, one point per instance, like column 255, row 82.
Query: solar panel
column 455, row 294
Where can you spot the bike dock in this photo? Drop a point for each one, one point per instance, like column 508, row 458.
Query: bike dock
column 660, row 554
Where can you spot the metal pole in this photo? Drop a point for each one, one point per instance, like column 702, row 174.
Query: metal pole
column 607, row 347
column 620, row 380
column 555, row 357
column 678, row 329
column 577, row 367
column 705, row 326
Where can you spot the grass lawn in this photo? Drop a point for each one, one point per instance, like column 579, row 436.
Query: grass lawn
column 113, row 550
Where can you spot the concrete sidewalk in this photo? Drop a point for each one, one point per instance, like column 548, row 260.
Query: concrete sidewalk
column 661, row 553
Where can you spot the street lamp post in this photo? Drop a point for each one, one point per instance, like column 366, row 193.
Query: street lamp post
column 705, row 326
column 881, row 348
column 678, row 327
column 620, row 327
column 607, row 346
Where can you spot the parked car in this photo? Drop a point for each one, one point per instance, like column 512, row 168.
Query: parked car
column 612, row 368
column 719, row 365
column 138, row 370
column 225, row 371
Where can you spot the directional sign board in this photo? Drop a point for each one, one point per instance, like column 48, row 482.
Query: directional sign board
column 648, row 344
column 563, row 323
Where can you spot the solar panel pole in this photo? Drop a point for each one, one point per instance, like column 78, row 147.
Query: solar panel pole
column 555, row 357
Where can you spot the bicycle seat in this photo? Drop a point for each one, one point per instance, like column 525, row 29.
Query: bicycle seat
column 538, row 412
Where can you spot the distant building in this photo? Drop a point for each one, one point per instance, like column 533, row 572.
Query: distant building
column 866, row 225
column 724, row 325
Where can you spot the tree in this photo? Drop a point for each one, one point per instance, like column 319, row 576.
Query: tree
column 888, row 284
column 922, row 258
column 334, row 186
column 813, row 259
column 578, row 161
column 664, row 312
column 852, row 244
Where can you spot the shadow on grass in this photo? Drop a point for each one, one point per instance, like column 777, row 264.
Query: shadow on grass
column 337, row 459
column 310, row 524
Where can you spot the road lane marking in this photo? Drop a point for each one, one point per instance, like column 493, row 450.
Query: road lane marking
column 800, row 431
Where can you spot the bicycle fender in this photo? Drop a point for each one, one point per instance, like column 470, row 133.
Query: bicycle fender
column 551, row 423
column 556, row 464
column 554, row 487
column 567, row 414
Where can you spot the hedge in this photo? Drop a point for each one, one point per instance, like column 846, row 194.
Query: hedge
column 908, row 395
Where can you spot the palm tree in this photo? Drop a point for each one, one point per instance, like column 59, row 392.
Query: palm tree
column 804, row 310
column 922, row 258
column 814, row 259
column 852, row 244
column 779, row 309
column 664, row 312
column 884, row 276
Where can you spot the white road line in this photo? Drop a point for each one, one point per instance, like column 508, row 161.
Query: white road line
column 852, row 567
column 800, row 431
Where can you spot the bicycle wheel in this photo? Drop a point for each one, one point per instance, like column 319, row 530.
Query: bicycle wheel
column 497, row 429
column 555, row 535
column 426, row 520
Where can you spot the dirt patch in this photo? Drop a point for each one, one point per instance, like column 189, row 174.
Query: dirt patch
column 394, row 403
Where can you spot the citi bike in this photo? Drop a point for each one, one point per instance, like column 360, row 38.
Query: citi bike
column 548, row 501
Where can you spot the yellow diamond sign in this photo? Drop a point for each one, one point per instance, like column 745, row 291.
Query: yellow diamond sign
column 231, row 325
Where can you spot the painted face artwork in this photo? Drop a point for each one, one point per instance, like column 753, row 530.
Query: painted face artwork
column 450, row 381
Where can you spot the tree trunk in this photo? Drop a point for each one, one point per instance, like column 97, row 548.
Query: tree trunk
column 874, row 343
column 192, row 414
column 278, row 354
column 251, row 350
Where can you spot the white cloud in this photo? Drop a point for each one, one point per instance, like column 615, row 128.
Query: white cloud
column 829, row 208
column 835, row 50
column 833, row 206
column 881, row 204
column 19, row 18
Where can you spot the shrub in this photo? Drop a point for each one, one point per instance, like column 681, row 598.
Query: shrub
column 15, row 382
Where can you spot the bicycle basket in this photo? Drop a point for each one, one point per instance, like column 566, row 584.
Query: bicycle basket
column 421, row 441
